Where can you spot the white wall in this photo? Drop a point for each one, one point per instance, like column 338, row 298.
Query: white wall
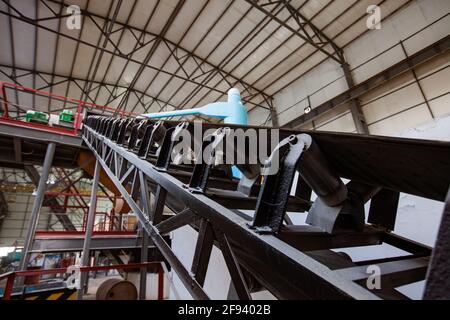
column 217, row 279
column 16, row 224
column 418, row 25
column 417, row 218
column 397, row 108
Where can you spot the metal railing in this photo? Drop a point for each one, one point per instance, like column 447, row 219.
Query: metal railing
column 14, row 113
column 12, row 276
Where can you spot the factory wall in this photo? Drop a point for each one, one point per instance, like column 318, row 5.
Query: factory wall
column 395, row 106
column 17, row 221
column 16, row 224
column 413, row 105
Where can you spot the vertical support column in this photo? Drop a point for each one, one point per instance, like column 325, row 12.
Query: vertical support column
column 273, row 112
column 5, row 101
column 144, row 259
column 89, row 227
column 34, row 219
column 438, row 281
column 160, row 282
column 145, row 206
column 355, row 105
column 416, row 78
column 9, row 286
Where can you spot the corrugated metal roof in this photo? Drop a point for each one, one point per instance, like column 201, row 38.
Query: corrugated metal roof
column 151, row 55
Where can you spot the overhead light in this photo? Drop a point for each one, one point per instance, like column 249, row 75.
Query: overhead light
column 307, row 110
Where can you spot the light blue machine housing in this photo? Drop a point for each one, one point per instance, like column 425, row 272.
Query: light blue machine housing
column 232, row 112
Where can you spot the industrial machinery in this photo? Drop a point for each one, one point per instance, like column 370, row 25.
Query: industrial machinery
column 346, row 186
column 66, row 116
column 232, row 111
column 291, row 261
column 37, row 116
column 10, row 261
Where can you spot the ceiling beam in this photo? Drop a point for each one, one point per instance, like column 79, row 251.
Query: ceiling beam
column 153, row 49
column 86, row 43
column 307, row 31
column 181, row 56
column 72, row 79
column 313, row 35
column 358, row 90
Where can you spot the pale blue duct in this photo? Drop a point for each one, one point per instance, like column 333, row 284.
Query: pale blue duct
column 232, row 112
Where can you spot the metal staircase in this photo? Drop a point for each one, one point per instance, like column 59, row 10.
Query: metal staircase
column 264, row 249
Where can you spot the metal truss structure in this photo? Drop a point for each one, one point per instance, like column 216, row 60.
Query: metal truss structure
column 266, row 250
column 198, row 76
column 3, row 208
column 308, row 32
column 408, row 64
column 184, row 77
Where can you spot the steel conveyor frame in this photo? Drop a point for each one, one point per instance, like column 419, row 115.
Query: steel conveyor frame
column 291, row 263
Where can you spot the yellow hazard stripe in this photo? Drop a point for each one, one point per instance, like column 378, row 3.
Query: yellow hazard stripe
column 55, row 296
column 61, row 295
column 73, row 296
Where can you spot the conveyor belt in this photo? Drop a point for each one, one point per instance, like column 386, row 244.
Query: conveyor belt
column 263, row 249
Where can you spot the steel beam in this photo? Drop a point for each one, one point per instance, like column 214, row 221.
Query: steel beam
column 145, row 206
column 3, row 209
column 51, row 201
column 34, row 219
column 74, row 242
column 24, row 132
column 143, row 271
column 270, row 251
column 319, row 40
column 308, row 31
column 355, row 105
column 358, row 90
column 438, row 277
column 85, row 256
column 17, row 149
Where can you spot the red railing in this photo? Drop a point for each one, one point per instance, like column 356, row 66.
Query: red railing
column 106, row 223
column 79, row 105
column 57, row 234
column 11, row 276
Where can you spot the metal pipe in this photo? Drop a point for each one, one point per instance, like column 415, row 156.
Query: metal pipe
column 321, row 177
column 144, row 259
column 89, row 227
column 34, row 219
column 232, row 111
